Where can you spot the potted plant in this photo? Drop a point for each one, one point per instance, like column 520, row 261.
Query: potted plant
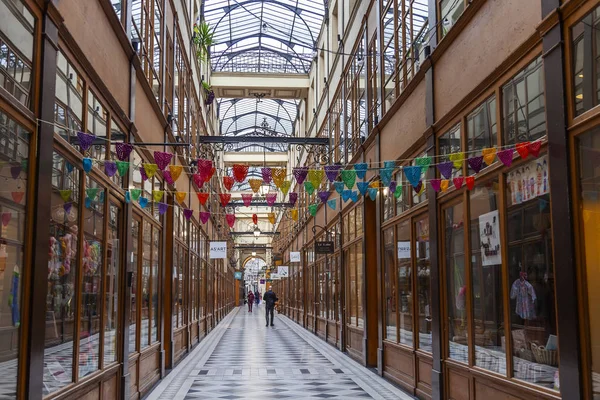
column 203, row 38
column 210, row 94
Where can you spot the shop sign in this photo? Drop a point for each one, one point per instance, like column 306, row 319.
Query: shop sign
column 238, row 275
column 489, row 237
column 403, row 250
column 283, row 271
column 324, row 247
column 294, row 256
column 275, row 277
column 218, row 250
column 262, row 281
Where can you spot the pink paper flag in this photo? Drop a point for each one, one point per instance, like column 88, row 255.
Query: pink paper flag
column 505, row 156
column 162, row 159
column 230, row 219
column 247, row 198
column 204, row 217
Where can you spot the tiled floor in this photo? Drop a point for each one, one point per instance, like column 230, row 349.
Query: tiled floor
column 243, row 359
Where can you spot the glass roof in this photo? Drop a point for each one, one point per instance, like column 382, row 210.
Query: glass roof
column 266, row 36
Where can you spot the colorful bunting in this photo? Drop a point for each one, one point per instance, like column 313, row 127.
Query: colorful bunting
column 385, row 173
column 127, row 200
column 143, row 174
column 323, row 196
column 247, row 199
column 135, row 194
column 398, row 192
column 150, row 169
column 202, row 197
column 230, row 219
column 15, row 171
column 240, row 172
column 204, row 166
column 523, row 149
column 180, row 197
column 309, row 187
column 505, row 156
column 312, row 209
column 332, row 171
column 534, row 148
column 143, row 202
column 162, row 159
column 168, row 177
column 294, row 214
column 436, row 184
column 122, row 167
column 65, row 194
column 66, row 207
column 278, row 175
column 255, row 219
column 255, row 184
column 271, row 217
column 332, row 204
column 6, row 216
column 373, row 193
column 470, row 181
column 228, row 182
column 224, row 198
column 92, row 193
column 204, row 217
column 444, row 185
column 285, row 187
column 393, row 185
column 315, row 176
column 187, row 213
column 24, row 164
column 300, row 174
column 175, row 171
column 418, row 188
column 87, row 165
column 362, row 187
column 361, row 170
column 17, row 196
column 157, row 195
column 445, row 169
column 123, row 150
column 293, row 198
column 349, row 177
column 85, row 140
column 266, row 175
column 339, row 187
column 476, row 163
column 271, row 197
column 162, row 208
column 110, row 168
column 458, row 181
column 412, row 174
column 424, row 163
column 199, row 180
column 207, row 176
column 67, row 164
column 489, row 155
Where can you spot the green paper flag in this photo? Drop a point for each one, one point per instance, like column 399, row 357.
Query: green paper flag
column 135, row 194
column 310, row 188
column 424, row 163
column 65, row 194
column 398, row 192
column 24, row 164
column 157, row 195
column 91, row 193
column 349, row 177
column 313, row 209
column 122, row 167
column 285, row 187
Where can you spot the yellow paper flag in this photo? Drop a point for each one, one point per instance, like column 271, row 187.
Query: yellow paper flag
column 457, row 159
column 489, row 155
column 175, row 171
column 180, row 197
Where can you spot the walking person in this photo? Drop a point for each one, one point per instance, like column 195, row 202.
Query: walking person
column 257, row 297
column 270, row 299
column 250, row 301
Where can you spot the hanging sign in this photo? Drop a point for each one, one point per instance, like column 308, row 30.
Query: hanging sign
column 403, row 250
column 275, row 277
column 238, row 275
column 262, row 281
column 283, row 271
column 324, row 247
column 218, row 250
column 489, row 237
column 294, row 256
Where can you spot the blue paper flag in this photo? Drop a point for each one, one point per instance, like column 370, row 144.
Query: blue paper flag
column 87, row 164
column 339, row 187
column 127, row 197
column 346, row 195
column 332, row 203
column 389, row 164
column 373, row 193
column 362, row 187
column 361, row 170
column 413, row 174
column 354, row 196
column 386, row 175
column 69, row 167
column 88, row 202
column 143, row 202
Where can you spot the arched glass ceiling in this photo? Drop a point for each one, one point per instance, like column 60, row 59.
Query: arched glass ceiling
column 267, row 36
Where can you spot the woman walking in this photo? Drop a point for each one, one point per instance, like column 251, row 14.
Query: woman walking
column 250, row 301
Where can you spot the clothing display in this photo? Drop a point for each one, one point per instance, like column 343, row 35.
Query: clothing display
column 524, row 292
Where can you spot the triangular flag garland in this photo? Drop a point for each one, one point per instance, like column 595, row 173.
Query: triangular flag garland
column 300, row 173
column 339, row 187
column 162, row 159
column 293, row 198
column 285, row 187
column 175, row 171
column 457, row 159
column 309, row 187
column 323, row 196
column 424, row 163
column 224, row 198
column 349, row 177
column 361, row 170
column 150, row 169
column 294, row 214
column 87, row 165
column 157, row 195
column 523, row 149
column 122, row 167
column 228, row 182
column 247, row 199
column 362, row 187
column 412, row 174
column 255, row 184
column 332, row 172
column 312, row 209
column 180, row 197
column 489, row 155
column 476, row 163
column 123, row 150
column 135, row 194
column 110, row 168
column 278, row 175
column 168, row 177
column 204, row 217
column 271, row 217
column 65, row 194
column 332, row 204
column 315, row 177
column 271, row 197
column 230, row 219
column 162, row 208
column 255, row 219
column 202, row 198
column 240, row 172
column 266, row 175
column 85, row 140
column 187, row 213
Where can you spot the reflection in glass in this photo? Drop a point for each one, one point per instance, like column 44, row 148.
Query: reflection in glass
column 404, row 283
column 423, row 283
column 145, row 285
column 112, row 286
column 389, row 266
column 133, row 314
column 155, row 261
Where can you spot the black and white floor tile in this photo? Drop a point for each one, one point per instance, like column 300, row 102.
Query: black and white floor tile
column 243, row 359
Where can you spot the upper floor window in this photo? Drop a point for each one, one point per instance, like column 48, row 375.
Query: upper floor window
column 119, row 6
column 146, row 36
column 16, row 49
column 524, row 105
column 585, row 44
column 450, row 12
column 68, row 107
column 482, row 129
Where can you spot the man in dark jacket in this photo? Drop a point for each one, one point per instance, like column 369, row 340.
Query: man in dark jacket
column 270, row 299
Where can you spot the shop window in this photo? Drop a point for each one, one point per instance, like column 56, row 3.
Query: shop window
column 486, row 277
column 92, row 265
column 390, row 282
column 62, row 276
column 374, row 83
column 531, row 275
column 14, row 151
column 588, row 148
column 450, row 12
column 482, row 129
column 16, row 49
column 145, row 285
column 133, row 314
column 68, row 108
column 423, row 297
column 155, row 288
column 405, row 298
column 450, row 143
column 111, row 298
column 586, row 62
column 456, row 282
column 524, row 110
column 146, row 34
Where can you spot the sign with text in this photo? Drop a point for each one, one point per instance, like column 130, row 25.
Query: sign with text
column 237, row 275
column 324, row 247
column 218, row 250
column 275, row 277
column 262, row 281
column 403, row 250
column 283, row 271
column 294, row 256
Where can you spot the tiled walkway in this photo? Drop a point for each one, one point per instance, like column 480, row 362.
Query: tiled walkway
column 243, row 359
